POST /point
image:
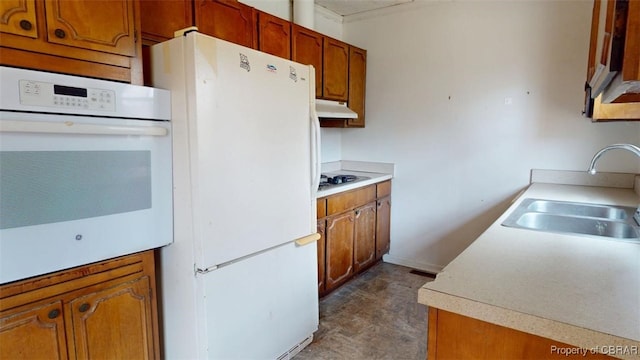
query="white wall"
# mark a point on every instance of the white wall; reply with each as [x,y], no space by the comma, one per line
[438,74]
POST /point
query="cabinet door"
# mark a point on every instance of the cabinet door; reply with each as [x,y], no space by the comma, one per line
[357,81]
[114,323]
[335,76]
[227,20]
[364,239]
[321,256]
[159,19]
[383,226]
[33,333]
[274,35]
[306,48]
[339,249]
[101,25]
[18,17]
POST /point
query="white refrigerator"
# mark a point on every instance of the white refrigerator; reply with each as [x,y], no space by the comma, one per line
[240,279]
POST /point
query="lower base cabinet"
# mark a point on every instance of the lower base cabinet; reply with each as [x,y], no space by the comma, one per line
[454,336]
[364,237]
[105,310]
[354,229]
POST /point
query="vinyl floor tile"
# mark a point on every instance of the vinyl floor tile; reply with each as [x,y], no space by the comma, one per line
[374,316]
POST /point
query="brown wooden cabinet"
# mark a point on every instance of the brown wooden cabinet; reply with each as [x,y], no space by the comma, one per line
[364,237]
[335,75]
[103,310]
[321,246]
[383,226]
[354,228]
[339,249]
[87,38]
[161,18]
[613,72]
[357,82]
[228,20]
[454,336]
[274,35]
[306,48]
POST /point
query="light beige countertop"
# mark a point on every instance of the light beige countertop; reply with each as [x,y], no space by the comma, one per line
[376,172]
[579,290]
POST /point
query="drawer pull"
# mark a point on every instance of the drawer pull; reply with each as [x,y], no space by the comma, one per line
[84,307]
[60,33]
[26,25]
[53,314]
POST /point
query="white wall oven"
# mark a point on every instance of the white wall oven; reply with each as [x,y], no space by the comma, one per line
[85,171]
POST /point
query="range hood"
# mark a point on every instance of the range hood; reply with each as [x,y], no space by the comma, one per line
[334,110]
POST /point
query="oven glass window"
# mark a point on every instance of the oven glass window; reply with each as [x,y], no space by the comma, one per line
[41,187]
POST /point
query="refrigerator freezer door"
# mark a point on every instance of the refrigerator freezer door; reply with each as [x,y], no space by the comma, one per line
[251,149]
[263,306]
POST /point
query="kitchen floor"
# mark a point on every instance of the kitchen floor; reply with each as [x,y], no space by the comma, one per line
[374,316]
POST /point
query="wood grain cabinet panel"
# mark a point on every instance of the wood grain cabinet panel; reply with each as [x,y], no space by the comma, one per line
[321,246]
[227,20]
[18,17]
[34,332]
[350,199]
[72,23]
[86,38]
[454,336]
[114,323]
[335,75]
[105,310]
[339,250]
[383,226]
[357,82]
[274,35]
[161,18]
[364,238]
[306,48]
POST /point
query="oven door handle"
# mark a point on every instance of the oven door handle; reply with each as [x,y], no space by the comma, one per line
[70,127]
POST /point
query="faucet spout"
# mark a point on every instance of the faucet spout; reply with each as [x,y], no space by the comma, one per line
[634,149]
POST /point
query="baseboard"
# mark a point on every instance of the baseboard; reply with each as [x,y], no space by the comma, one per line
[411,263]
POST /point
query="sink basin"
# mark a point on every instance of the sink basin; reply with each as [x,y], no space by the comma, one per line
[577,209]
[608,221]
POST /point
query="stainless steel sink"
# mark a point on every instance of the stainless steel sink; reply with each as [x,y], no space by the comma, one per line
[577,209]
[614,222]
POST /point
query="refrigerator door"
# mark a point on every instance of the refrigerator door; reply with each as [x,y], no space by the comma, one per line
[262,307]
[250,145]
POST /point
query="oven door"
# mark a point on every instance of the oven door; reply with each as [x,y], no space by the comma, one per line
[75,190]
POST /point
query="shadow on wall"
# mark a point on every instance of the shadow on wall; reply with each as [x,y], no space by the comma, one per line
[465,234]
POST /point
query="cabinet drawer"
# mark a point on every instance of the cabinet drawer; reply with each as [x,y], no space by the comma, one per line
[321,208]
[351,199]
[383,189]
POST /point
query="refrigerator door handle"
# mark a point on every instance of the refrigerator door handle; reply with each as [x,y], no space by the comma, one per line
[305,240]
[315,150]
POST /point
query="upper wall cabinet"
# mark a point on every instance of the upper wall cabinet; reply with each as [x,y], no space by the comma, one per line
[87,38]
[335,75]
[228,20]
[613,74]
[161,18]
[306,48]
[357,82]
[274,35]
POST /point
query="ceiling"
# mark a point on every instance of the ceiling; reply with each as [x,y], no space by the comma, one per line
[351,7]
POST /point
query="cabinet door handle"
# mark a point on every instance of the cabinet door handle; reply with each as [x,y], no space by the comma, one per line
[53,314]
[84,307]
[60,33]
[26,25]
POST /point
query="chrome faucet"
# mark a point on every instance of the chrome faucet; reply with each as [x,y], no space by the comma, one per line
[592,167]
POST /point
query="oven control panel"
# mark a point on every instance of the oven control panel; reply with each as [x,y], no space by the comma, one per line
[59,96]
